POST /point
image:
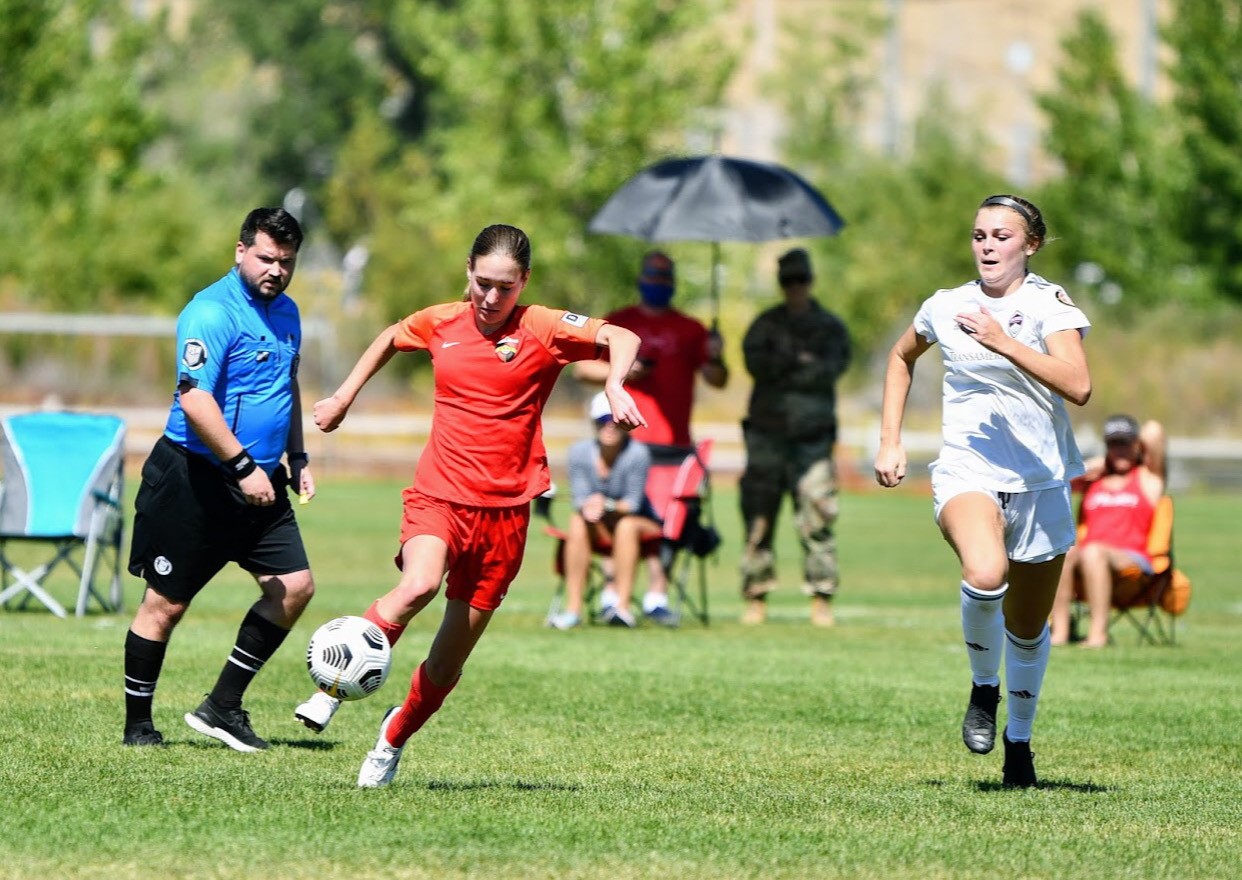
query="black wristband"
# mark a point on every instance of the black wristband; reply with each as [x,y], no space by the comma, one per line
[298,456]
[241,465]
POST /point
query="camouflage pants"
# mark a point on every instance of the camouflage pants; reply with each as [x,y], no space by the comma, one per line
[803,469]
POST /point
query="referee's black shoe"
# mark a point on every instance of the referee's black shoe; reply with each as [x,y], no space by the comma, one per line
[142,734]
[979,725]
[230,726]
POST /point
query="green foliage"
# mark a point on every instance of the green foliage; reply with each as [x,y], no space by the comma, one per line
[1116,204]
[535,113]
[325,63]
[908,219]
[1206,37]
[73,127]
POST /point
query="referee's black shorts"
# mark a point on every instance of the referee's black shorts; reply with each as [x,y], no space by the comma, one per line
[190,519]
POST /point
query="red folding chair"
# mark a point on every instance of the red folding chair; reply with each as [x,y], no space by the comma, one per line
[680,492]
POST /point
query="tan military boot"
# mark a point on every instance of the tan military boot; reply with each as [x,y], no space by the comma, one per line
[821,611]
[756,612]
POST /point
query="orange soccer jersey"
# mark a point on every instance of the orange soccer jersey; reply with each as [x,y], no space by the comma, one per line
[486,444]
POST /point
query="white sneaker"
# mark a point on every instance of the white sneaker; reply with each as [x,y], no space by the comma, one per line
[565,620]
[316,712]
[380,765]
[607,599]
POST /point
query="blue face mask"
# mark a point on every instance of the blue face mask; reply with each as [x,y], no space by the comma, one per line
[658,296]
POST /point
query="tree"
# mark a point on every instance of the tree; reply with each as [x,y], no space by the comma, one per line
[1207,38]
[1122,178]
[535,111]
[73,131]
[907,218]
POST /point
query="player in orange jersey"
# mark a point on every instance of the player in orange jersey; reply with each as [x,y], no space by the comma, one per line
[467,512]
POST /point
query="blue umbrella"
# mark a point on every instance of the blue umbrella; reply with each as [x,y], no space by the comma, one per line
[716,198]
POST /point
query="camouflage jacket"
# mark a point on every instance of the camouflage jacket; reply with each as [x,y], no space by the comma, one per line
[795,361]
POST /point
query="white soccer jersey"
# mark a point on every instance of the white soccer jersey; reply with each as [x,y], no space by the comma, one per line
[1003,430]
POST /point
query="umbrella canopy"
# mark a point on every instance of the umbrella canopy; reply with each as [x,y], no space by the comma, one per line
[716,198]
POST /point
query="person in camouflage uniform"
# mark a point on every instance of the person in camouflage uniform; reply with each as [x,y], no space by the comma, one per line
[795,353]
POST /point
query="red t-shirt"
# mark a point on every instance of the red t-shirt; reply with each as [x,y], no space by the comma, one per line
[676,344]
[486,443]
[1118,517]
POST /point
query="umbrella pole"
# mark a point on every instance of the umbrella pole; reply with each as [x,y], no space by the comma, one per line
[715,289]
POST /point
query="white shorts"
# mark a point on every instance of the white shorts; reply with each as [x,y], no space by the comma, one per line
[1039,525]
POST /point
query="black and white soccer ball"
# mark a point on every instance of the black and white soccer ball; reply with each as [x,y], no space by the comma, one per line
[348,658]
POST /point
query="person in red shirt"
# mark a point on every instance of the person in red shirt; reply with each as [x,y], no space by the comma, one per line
[1120,492]
[467,512]
[675,348]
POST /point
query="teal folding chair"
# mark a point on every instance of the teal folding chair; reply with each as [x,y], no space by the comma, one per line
[61,489]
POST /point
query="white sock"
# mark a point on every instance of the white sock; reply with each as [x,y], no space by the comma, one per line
[652,601]
[1026,661]
[983,629]
[607,598]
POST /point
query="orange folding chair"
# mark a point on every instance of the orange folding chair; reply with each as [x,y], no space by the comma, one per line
[1152,602]
[680,493]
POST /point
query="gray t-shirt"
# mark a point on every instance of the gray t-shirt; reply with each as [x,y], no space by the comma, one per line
[626,482]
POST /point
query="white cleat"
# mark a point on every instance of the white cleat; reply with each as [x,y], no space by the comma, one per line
[380,765]
[316,712]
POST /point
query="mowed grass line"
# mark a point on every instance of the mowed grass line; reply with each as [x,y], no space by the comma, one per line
[782,751]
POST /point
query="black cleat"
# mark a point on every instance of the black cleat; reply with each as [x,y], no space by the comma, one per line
[230,726]
[979,725]
[142,734]
[1019,769]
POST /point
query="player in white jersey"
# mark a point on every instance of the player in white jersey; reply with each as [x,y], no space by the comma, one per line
[1012,345]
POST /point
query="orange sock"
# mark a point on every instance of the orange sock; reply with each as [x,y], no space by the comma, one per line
[424,698]
[392,631]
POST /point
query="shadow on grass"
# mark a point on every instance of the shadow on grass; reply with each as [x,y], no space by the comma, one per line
[516,785]
[311,745]
[1049,785]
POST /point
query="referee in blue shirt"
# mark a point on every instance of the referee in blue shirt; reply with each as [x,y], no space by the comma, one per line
[215,487]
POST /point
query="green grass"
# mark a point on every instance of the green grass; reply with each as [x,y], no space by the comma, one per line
[781,752]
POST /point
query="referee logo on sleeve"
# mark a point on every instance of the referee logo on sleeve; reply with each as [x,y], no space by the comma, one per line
[194,355]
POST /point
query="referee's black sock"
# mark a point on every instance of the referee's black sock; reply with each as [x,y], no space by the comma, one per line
[143,661]
[257,640]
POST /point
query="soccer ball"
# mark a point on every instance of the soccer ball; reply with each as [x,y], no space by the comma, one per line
[348,658]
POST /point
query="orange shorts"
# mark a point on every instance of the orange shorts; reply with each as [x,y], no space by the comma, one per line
[485,544]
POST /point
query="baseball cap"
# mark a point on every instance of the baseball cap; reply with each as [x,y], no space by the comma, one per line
[659,267]
[794,264]
[1120,427]
[600,409]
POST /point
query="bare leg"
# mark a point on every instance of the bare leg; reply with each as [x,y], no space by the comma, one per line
[423,560]
[1061,605]
[626,544]
[577,564]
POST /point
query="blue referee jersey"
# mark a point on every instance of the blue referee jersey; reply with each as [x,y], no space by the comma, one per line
[244,352]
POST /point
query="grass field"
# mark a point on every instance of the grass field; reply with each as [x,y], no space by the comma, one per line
[718,752]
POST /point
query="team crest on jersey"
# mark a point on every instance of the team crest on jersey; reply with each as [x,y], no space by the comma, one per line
[194,355]
[576,320]
[1015,324]
[1064,298]
[507,348]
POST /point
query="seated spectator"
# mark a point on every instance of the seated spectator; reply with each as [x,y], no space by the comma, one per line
[607,480]
[1120,493]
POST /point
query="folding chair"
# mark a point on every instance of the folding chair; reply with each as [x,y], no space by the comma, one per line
[680,491]
[1155,600]
[61,487]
